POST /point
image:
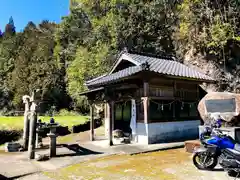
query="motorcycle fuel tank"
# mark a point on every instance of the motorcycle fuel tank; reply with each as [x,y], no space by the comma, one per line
[222,143]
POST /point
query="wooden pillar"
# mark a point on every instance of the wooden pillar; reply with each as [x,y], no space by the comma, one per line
[106,119]
[145,89]
[110,125]
[91,122]
[146,109]
[198,95]
[174,95]
[146,101]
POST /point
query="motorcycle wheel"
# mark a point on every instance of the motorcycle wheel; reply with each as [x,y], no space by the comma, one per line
[209,165]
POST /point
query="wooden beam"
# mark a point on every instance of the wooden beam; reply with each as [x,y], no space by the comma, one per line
[91,122]
[110,125]
[124,86]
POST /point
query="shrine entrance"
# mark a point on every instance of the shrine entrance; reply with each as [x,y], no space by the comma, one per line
[123,116]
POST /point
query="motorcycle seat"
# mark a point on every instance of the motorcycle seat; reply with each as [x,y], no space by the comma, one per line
[237,147]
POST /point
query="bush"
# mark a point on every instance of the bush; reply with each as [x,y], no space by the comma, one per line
[64,112]
[86,126]
[9,135]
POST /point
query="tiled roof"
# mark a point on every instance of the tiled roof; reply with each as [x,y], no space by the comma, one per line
[158,65]
[117,75]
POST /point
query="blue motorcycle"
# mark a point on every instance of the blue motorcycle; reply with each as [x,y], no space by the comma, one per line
[218,148]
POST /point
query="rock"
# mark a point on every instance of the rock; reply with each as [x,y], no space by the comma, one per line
[40,145]
[21,149]
[41,157]
[12,147]
[227,116]
[118,133]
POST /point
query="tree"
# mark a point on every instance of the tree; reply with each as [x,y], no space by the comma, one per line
[10,27]
[36,67]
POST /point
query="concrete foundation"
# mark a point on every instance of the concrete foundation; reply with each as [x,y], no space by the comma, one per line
[167,131]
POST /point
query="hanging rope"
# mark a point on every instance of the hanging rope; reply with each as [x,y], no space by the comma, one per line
[162,105]
[129,100]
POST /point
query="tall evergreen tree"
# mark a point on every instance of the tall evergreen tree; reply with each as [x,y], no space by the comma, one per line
[10,27]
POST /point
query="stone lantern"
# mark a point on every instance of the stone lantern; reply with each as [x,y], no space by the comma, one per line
[53,137]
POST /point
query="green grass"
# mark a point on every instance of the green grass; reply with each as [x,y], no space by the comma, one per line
[16,123]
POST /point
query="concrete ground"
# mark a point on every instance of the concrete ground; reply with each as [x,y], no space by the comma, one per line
[16,164]
[81,159]
[164,165]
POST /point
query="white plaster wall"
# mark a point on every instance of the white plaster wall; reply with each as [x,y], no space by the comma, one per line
[171,131]
[106,125]
[142,133]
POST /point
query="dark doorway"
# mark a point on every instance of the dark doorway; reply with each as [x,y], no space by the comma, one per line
[123,116]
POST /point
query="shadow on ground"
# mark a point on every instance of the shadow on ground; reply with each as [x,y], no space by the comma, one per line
[218,169]
[77,150]
[15,177]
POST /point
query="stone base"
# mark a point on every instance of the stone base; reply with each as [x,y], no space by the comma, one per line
[12,147]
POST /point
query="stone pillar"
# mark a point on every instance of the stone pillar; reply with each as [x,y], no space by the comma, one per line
[111,120]
[91,122]
[53,142]
[32,135]
[38,133]
[26,100]
[37,139]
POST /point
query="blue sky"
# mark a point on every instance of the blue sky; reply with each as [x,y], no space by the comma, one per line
[24,11]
